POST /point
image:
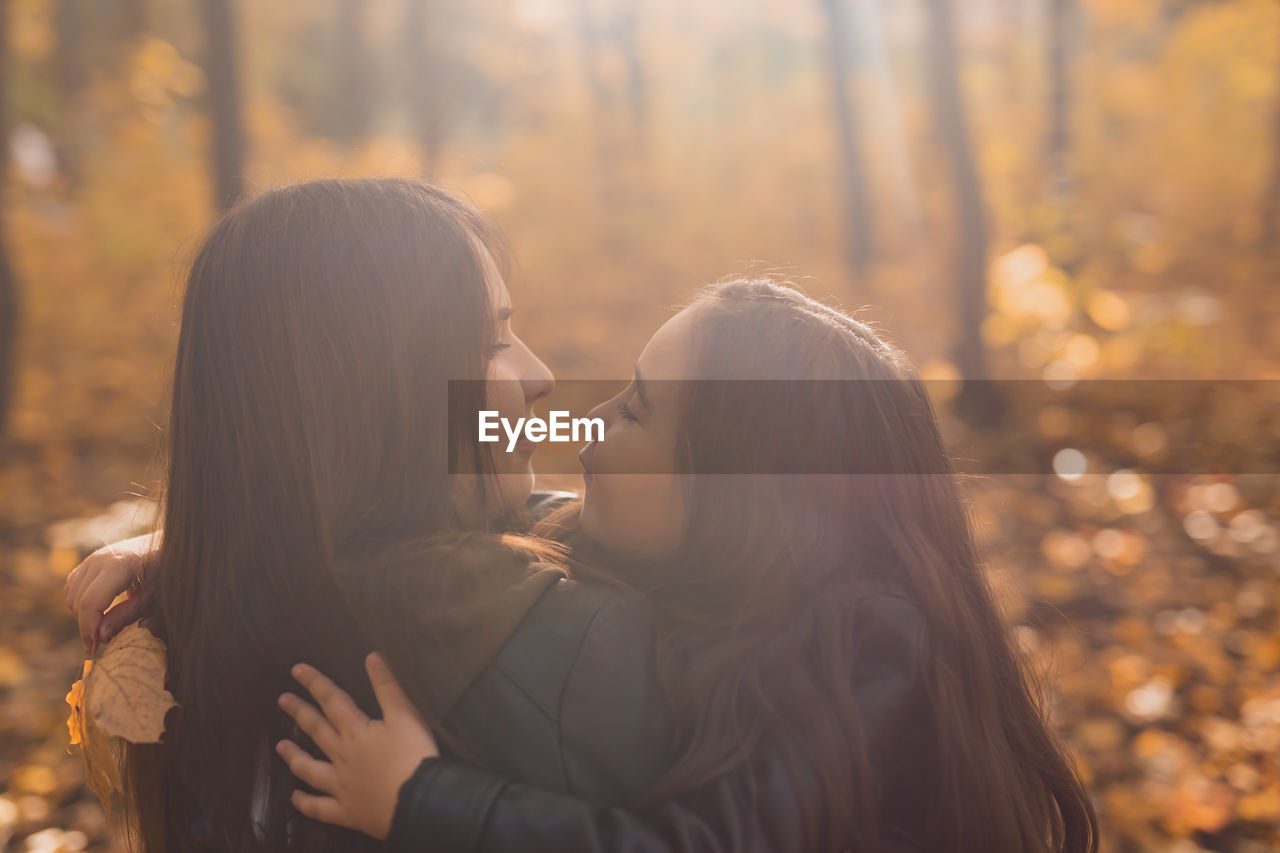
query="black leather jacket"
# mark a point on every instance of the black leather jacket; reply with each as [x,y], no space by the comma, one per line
[571,703]
[568,755]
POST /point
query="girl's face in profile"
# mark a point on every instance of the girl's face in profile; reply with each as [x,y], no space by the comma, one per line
[515,379]
[642,515]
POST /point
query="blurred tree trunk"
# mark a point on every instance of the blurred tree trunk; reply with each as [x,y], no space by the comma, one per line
[859,239]
[70,75]
[353,94]
[421,86]
[867,22]
[589,38]
[69,70]
[1270,212]
[8,282]
[1262,321]
[221,68]
[976,402]
[637,85]
[1059,142]
[619,102]
[133,17]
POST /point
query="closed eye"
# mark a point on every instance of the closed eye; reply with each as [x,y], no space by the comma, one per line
[625,413]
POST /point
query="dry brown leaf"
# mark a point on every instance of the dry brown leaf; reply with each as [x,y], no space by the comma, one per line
[102,756]
[124,692]
[120,697]
[98,750]
[75,698]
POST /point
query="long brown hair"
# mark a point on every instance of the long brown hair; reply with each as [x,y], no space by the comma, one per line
[307,510]
[756,644]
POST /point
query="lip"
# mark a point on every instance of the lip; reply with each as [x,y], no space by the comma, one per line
[524,445]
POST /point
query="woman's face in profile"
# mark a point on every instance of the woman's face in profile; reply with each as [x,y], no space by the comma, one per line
[515,379]
[635,501]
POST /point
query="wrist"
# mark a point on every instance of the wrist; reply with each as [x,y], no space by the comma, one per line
[446,801]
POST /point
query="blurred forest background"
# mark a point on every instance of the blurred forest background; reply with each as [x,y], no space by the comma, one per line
[1058,189]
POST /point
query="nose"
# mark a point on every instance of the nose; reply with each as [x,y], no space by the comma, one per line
[538,380]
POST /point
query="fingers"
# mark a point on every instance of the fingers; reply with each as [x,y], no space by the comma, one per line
[72,582]
[114,578]
[316,773]
[325,809]
[391,698]
[97,588]
[87,620]
[83,573]
[310,721]
[124,613]
[334,701]
[71,592]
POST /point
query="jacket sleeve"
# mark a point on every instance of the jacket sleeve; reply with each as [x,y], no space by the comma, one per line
[451,807]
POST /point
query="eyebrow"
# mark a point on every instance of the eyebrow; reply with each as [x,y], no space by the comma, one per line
[644,398]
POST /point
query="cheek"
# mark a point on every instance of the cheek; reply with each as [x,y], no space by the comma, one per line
[635,503]
[640,515]
[506,395]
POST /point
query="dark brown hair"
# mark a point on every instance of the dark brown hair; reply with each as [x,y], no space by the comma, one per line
[307,511]
[755,639]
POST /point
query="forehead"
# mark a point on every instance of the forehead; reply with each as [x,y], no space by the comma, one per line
[669,353]
[498,293]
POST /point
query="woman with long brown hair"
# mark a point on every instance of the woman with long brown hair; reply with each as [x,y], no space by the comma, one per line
[839,674]
[320,503]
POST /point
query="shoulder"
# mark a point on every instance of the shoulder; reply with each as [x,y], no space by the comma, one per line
[572,624]
[572,701]
[614,720]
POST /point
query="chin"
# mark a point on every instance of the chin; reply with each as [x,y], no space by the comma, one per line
[515,488]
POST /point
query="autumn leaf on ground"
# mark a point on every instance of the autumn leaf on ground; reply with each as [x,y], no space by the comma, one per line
[120,697]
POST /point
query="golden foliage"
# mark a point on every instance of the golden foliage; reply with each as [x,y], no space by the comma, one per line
[119,697]
[124,691]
